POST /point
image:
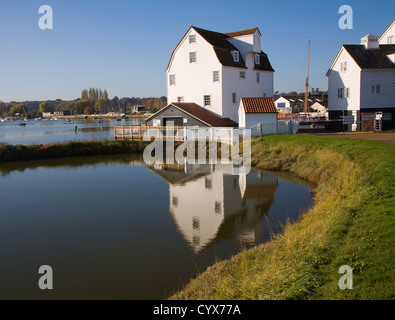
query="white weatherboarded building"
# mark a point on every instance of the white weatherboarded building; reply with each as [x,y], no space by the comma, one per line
[361,80]
[257,111]
[215,70]
[283,105]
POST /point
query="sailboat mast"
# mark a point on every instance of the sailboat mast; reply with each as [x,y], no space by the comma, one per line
[306,101]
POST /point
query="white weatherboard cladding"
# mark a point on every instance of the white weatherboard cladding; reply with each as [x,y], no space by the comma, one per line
[390,33]
[195,80]
[386,80]
[253,119]
[344,79]
[199,217]
[244,88]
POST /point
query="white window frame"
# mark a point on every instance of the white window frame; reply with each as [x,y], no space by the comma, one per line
[257,59]
[390,40]
[340,93]
[172,79]
[216,76]
[207,100]
[236,56]
[242,73]
[192,38]
[192,57]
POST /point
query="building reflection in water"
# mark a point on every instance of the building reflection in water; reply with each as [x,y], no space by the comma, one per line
[209,204]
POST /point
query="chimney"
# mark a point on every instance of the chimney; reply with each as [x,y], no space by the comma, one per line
[371,42]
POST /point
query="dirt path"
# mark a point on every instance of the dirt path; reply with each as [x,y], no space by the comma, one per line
[375,136]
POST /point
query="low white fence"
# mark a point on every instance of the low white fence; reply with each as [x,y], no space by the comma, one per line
[225,135]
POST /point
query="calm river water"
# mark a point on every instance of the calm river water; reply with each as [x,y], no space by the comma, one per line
[112,228]
[54,131]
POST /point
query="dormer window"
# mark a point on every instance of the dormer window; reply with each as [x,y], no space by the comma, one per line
[257,59]
[192,38]
[236,56]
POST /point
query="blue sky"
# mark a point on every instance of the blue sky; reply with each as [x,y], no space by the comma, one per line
[124,45]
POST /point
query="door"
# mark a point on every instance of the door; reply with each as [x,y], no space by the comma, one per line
[177,122]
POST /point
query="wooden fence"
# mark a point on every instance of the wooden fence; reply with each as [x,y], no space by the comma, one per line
[148,133]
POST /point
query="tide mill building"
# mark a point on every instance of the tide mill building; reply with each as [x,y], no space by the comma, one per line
[214,71]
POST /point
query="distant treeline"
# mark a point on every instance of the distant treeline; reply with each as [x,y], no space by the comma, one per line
[92,101]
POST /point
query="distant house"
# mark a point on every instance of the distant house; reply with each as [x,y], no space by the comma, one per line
[255,111]
[137,109]
[47,114]
[186,115]
[283,105]
[215,70]
[320,107]
[58,113]
[361,80]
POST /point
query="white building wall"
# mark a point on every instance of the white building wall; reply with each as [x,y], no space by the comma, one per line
[388,37]
[351,78]
[200,216]
[194,80]
[386,97]
[247,88]
[253,119]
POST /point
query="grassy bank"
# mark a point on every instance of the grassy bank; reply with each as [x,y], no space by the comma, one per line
[69,149]
[352,223]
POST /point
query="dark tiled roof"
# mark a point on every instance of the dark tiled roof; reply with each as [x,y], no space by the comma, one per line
[264,63]
[222,47]
[242,32]
[259,105]
[204,115]
[372,59]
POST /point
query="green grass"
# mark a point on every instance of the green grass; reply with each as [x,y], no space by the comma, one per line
[352,223]
[69,149]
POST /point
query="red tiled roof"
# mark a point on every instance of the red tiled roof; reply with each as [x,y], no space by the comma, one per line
[204,115]
[259,105]
[254,192]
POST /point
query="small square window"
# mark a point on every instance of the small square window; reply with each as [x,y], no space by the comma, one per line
[207,101]
[172,79]
[208,183]
[180,99]
[192,38]
[234,97]
[215,76]
[257,59]
[378,89]
[218,207]
[236,56]
[196,223]
[242,75]
[192,57]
